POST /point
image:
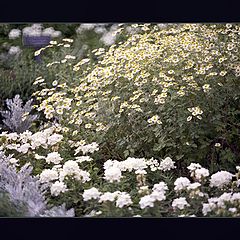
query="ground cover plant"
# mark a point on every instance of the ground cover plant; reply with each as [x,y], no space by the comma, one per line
[143,124]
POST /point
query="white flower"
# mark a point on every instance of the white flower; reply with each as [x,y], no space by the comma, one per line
[14,50]
[233,210]
[38,157]
[206,87]
[107,196]
[71,168]
[180,203]
[83,159]
[85,26]
[91,193]
[220,179]
[12,136]
[13,161]
[48,175]
[87,148]
[109,163]
[141,172]
[236,196]
[48,31]
[181,183]
[133,163]
[84,176]
[194,166]
[123,199]
[100,30]
[113,174]
[146,201]
[225,197]
[108,38]
[193,186]
[53,139]
[24,148]
[160,187]
[201,173]
[208,207]
[167,164]
[57,188]
[56,34]
[53,157]
[14,33]
[38,139]
[25,136]
[158,196]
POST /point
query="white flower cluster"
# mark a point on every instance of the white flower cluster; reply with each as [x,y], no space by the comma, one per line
[53,157]
[14,33]
[57,188]
[181,183]
[27,140]
[83,159]
[109,37]
[71,168]
[91,193]
[225,202]
[48,175]
[220,179]
[197,171]
[108,196]
[180,203]
[88,148]
[85,27]
[37,30]
[112,174]
[122,198]
[59,173]
[114,168]
[164,165]
[158,194]
[14,50]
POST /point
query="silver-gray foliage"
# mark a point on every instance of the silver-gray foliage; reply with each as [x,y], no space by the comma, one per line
[26,190]
[18,118]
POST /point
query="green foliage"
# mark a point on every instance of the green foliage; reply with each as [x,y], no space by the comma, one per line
[8,208]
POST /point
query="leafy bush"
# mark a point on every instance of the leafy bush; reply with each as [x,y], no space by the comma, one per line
[18,69]
[160,93]
[17,118]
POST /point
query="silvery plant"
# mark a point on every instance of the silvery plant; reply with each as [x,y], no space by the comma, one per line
[25,193]
[18,118]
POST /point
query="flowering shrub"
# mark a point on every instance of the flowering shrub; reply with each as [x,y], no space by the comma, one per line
[161,92]
[146,125]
